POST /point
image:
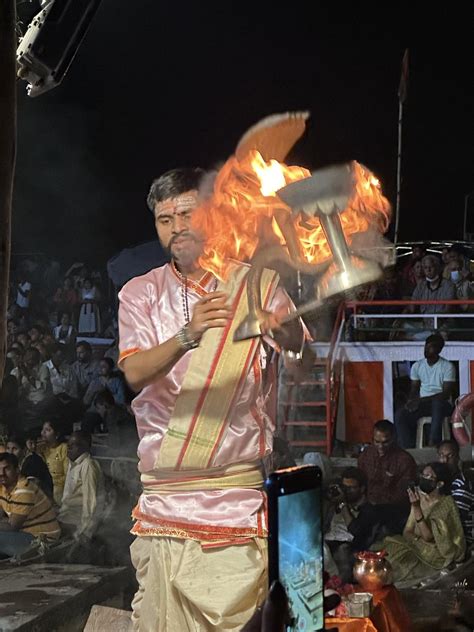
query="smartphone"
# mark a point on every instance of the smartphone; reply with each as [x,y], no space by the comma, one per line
[295,543]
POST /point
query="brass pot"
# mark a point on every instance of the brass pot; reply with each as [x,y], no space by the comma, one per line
[372,570]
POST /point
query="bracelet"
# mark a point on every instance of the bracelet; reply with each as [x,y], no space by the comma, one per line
[419,519]
[184,340]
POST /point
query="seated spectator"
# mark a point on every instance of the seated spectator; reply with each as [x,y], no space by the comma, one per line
[462,487]
[417,253]
[456,260]
[106,379]
[415,276]
[28,511]
[354,521]
[30,463]
[85,368]
[24,340]
[8,393]
[35,333]
[65,334]
[89,314]
[80,504]
[117,421]
[464,287]
[62,376]
[432,382]
[433,537]
[388,469]
[54,452]
[433,288]
[34,386]
[11,332]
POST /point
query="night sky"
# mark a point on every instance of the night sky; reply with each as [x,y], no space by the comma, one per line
[156,85]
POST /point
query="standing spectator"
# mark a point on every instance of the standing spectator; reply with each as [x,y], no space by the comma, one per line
[432,381]
[66,298]
[29,512]
[106,379]
[85,367]
[462,487]
[54,452]
[89,316]
[30,463]
[388,469]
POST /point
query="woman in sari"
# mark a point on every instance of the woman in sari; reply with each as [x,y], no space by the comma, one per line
[433,537]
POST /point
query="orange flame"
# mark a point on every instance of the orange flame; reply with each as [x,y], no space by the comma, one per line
[238,217]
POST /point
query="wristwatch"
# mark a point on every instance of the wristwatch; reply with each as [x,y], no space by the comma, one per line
[185,340]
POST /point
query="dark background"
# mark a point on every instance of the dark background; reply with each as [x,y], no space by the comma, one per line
[156,85]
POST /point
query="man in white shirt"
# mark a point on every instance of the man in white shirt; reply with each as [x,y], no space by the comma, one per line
[23,290]
[63,379]
[79,513]
[432,381]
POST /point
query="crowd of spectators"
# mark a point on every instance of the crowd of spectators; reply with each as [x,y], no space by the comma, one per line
[60,386]
[422,518]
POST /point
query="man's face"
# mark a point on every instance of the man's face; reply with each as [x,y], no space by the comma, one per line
[83,355]
[31,359]
[352,489]
[430,268]
[14,448]
[449,455]
[417,252]
[8,474]
[23,339]
[75,448]
[104,369]
[34,334]
[57,357]
[431,351]
[173,226]
[383,441]
[31,444]
[65,320]
[453,257]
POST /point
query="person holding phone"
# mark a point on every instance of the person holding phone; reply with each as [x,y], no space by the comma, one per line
[433,537]
[354,521]
[200,408]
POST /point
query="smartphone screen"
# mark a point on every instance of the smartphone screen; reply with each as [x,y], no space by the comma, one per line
[299,551]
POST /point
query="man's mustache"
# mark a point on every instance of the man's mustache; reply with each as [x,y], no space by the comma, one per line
[186,234]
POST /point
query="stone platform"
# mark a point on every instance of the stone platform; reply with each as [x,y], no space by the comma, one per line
[57,597]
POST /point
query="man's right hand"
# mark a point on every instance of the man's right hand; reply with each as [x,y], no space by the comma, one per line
[211,311]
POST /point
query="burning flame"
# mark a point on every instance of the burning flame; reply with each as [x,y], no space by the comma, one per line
[238,217]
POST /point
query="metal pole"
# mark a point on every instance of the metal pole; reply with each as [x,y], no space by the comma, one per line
[399,169]
[7,155]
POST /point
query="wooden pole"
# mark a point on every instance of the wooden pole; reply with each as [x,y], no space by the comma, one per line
[7,155]
[399,170]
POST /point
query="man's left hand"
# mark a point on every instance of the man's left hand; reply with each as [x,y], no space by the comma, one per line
[288,335]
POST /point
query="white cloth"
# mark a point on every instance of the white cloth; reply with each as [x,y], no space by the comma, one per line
[63,380]
[432,377]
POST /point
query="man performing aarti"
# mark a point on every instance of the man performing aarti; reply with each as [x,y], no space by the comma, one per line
[200,550]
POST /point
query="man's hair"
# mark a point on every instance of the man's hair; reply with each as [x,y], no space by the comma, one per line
[451,443]
[385,426]
[443,473]
[357,474]
[435,339]
[9,458]
[104,397]
[173,183]
[436,260]
[83,437]
[85,345]
[19,439]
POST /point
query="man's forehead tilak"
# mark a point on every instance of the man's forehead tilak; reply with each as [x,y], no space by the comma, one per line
[173,206]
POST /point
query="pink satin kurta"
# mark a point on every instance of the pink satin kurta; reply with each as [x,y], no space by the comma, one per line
[152,311]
